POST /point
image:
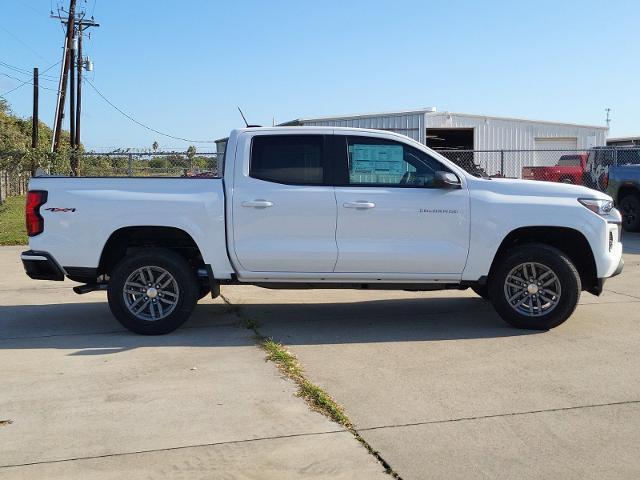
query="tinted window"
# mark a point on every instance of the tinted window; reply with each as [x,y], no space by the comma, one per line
[569,161]
[628,156]
[387,163]
[295,159]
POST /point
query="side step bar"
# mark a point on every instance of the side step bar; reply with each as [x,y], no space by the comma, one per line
[89,287]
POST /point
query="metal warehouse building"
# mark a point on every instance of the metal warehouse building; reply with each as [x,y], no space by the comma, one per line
[482,144]
[462,131]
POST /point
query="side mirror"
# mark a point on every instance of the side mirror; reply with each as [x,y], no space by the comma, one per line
[446,180]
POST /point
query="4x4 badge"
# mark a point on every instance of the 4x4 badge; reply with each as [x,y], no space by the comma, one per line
[60,210]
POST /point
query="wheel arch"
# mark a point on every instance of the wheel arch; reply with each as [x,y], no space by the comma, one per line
[566,176]
[568,240]
[626,190]
[125,239]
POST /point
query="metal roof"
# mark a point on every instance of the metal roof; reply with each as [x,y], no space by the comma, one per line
[622,139]
[431,112]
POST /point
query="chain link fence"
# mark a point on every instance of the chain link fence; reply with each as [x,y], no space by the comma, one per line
[581,167]
[148,164]
[16,167]
[13,183]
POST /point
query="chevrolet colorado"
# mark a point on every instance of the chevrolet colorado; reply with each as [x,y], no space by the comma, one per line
[323,207]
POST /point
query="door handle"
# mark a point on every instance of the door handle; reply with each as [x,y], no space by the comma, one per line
[257,204]
[359,205]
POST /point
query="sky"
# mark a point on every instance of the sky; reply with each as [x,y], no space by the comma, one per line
[182,67]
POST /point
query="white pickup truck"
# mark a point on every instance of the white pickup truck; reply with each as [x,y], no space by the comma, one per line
[306,207]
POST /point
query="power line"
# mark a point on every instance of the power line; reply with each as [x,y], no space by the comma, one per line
[21,70]
[28,81]
[22,42]
[142,124]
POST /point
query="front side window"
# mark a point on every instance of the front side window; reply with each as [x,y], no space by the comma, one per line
[381,162]
[289,159]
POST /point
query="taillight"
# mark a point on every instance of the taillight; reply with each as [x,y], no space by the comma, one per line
[35,222]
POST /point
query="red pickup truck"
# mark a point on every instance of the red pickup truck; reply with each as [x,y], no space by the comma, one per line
[569,169]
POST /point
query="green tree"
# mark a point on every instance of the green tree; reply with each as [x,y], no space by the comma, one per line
[15,144]
[191,153]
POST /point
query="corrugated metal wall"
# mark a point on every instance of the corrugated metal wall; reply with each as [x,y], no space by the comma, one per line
[410,124]
[497,134]
[489,133]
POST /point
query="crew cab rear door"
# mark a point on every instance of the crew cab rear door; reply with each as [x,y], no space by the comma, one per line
[284,208]
[392,219]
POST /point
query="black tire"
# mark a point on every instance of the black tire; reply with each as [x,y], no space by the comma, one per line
[481,291]
[566,180]
[630,210]
[566,275]
[164,260]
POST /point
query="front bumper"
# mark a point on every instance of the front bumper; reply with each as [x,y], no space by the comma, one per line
[41,266]
[599,287]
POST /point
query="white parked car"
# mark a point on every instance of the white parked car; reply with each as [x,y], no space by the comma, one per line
[306,207]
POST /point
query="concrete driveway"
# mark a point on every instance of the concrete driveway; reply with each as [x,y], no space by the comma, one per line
[435,382]
[88,400]
[444,389]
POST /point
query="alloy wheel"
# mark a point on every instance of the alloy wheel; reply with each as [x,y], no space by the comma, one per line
[532,289]
[151,293]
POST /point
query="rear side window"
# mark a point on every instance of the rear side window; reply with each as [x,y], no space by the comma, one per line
[569,161]
[289,159]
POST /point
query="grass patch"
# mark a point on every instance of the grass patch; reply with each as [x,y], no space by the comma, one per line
[316,397]
[12,227]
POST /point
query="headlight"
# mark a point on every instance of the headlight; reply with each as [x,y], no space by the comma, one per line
[601,207]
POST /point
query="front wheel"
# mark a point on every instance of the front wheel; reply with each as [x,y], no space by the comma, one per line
[630,209]
[152,292]
[535,286]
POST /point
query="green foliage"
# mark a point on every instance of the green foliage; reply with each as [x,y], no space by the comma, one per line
[12,224]
[17,156]
[15,144]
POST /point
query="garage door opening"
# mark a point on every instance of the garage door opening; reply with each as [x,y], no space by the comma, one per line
[450,138]
[548,150]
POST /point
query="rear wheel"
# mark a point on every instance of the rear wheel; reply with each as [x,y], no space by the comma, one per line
[630,210]
[535,286]
[152,292]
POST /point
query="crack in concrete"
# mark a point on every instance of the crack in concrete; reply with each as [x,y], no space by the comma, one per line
[499,415]
[168,449]
[253,325]
[624,294]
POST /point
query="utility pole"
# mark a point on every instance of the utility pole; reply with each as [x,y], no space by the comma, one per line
[608,110]
[34,116]
[72,94]
[80,62]
[35,123]
[72,66]
[63,83]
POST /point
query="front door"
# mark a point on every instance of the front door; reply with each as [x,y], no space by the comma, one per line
[392,218]
[284,210]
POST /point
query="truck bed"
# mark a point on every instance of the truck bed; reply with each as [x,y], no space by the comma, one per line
[80,214]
